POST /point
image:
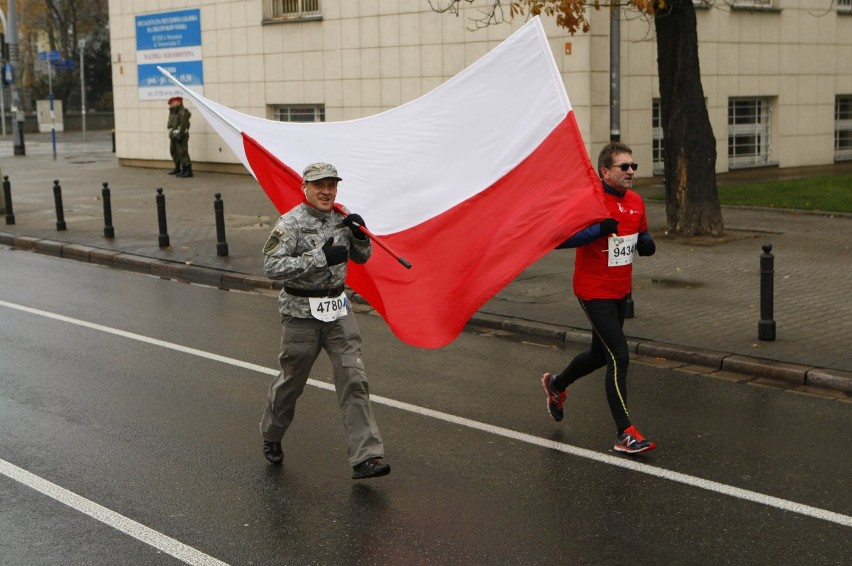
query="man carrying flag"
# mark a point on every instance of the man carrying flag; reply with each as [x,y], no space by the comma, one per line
[308,249]
[536,160]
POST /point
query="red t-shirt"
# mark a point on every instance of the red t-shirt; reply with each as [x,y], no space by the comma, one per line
[593,278]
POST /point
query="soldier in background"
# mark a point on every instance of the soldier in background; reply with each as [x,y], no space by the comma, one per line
[178,127]
[308,250]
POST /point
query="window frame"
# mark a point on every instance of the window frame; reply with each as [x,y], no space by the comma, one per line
[753,5]
[760,129]
[279,110]
[658,159]
[843,127]
[275,11]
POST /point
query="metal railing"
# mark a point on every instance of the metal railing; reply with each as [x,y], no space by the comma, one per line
[752,3]
[294,9]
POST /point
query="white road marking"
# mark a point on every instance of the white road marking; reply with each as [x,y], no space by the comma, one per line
[115,520]
[717,487]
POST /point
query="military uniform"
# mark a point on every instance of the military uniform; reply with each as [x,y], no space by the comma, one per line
[293,255]
[178,127]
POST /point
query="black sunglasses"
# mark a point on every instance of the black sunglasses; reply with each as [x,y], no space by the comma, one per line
[625,166]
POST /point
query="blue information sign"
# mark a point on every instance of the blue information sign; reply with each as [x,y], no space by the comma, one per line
[171,40]
[49,55]
[168,30]
[64,64]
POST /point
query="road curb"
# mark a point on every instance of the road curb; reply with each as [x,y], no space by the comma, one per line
[792,373]
[564,337]
[830,379]
[716,361]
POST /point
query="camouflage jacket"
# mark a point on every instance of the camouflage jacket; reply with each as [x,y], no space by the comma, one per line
[293,254]
[178,122]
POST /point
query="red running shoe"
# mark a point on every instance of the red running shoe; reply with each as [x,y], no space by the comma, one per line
[555,400]
[631,441]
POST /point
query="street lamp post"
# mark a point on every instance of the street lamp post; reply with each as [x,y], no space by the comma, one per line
[3,71]
[52,112]
[82,44]
[615,100]
[17,107]
[615,73]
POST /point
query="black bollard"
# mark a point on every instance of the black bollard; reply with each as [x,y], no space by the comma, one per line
[766,324]
[57,197]
[219,209]
[7,197]
[161,217]
[628,305]
[113,140]
[109,231]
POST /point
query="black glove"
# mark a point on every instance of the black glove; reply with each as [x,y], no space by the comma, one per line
[350,222]
[609,226]
[334,254]
[646,246]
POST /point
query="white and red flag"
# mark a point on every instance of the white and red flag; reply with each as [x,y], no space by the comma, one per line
[471,183]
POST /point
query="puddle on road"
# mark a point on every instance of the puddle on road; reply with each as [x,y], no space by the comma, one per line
[676,283]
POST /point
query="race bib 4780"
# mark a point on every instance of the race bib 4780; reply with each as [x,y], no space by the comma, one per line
[329,309]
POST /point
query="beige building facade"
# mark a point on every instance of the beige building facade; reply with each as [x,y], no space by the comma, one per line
[777,74]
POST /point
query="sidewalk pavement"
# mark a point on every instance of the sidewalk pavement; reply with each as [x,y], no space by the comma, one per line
[696,302]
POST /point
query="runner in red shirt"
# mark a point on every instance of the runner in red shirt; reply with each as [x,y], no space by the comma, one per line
[603,272]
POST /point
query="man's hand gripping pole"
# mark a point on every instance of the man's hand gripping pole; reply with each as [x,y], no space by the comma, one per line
[370,235]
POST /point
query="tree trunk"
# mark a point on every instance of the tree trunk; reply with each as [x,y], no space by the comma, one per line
[692,201]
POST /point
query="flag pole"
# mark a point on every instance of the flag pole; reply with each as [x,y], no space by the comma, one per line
[363,229]
[196,100]
[236,130]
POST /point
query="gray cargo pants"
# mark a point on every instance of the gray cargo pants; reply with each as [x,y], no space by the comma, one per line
[301,341]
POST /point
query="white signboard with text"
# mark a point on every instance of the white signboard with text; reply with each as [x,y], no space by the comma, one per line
[171,40]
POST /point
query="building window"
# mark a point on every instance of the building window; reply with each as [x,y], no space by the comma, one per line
[748,131]
[657,157]
[300,113]
[752,4]
[844,6]
[292,9]
[843,128]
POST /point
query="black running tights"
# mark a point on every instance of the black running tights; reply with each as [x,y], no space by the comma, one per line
[609,348]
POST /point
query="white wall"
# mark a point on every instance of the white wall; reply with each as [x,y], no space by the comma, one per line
[366,56]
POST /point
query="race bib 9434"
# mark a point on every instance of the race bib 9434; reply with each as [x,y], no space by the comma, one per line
[621,249]
[329,309]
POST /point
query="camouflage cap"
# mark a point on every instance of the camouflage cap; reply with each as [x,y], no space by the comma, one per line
[317,171]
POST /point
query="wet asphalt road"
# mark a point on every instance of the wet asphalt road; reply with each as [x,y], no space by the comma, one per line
[169,439]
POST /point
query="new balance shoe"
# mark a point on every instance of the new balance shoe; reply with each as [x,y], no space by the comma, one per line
[272,451]
[370,468]
[555,400]
[631,441]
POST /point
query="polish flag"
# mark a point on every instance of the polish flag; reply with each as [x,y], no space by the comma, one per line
[471,183]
